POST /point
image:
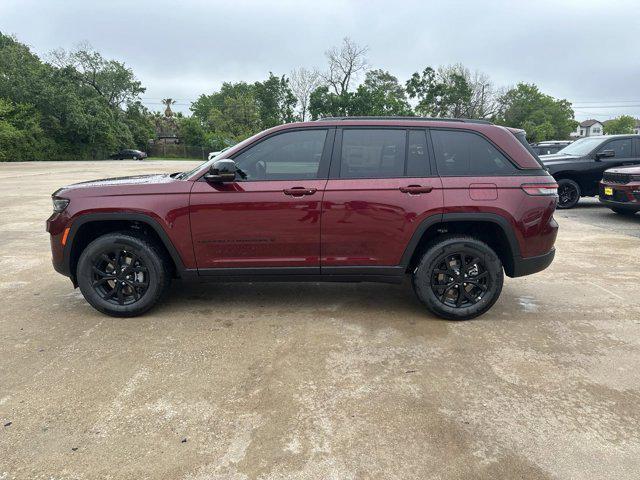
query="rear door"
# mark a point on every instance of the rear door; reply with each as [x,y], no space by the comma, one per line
[270,219]
[381,187]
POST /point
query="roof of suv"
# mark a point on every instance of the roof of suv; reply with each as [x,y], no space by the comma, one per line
[404,118]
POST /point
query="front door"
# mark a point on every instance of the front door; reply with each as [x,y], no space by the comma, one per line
[381,187]
[270,219]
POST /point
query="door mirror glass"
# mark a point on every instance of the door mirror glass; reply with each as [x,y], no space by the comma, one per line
[606,154]
[222,171]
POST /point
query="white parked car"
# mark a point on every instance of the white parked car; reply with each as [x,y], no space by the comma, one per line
[215,154]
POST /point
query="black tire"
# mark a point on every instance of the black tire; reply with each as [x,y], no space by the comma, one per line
[568,193]
[145,279]
[482,267]
[623,211]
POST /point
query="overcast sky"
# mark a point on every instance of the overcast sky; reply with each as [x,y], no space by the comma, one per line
[585,51]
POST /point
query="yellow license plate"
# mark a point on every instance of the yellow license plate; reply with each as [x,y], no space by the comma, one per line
[608,191]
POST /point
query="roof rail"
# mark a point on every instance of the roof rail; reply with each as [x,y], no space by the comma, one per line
[418,119]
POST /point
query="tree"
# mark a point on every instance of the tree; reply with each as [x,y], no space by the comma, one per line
[442,93]
[482,103]
[542,116]
[21,137]
[191,131]
[275,101]
[323,103]
[380,94]
[620,125]
[345,63]
[303,83]
[111,79]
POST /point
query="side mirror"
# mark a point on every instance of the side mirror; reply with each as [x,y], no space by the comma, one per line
[605,154]
[222,171]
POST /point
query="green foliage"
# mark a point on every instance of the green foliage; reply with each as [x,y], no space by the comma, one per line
[275,101]
[323,103]
[69,117]
[542,116]
[20,133]
[620,125]
[445,93]
[380,94]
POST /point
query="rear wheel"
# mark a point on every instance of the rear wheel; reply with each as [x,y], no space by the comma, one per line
[122,275]
[568,193]
[458,278]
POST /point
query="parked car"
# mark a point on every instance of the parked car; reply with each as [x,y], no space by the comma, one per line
[549,147]
[620,190]
[127,153]
[578,167]
[453,204]
[216,153]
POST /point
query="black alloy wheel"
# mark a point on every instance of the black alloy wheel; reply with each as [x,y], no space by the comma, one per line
[123,274]
[120,277]
[460,280]
[568,193]
[458,277]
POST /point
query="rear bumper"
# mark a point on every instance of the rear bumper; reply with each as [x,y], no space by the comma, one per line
[527,266]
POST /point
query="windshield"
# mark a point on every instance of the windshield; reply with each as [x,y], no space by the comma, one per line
[581,147]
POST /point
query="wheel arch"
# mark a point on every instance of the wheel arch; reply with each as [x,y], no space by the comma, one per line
[90,226]
[491,228]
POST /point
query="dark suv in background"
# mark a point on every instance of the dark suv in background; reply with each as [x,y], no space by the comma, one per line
[549,147]
[451,203]
[578,168]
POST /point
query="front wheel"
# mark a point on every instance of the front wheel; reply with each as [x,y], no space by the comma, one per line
[458,278]
[568,193]
[122,275]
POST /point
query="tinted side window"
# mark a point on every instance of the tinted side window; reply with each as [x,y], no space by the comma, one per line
[287,156]
[622,147]
[464,153]
[372,153]
[417,159]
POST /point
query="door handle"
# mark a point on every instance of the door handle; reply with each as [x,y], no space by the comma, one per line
[415,189]
[299,191]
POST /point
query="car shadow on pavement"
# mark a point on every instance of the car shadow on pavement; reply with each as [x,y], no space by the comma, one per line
[328,299]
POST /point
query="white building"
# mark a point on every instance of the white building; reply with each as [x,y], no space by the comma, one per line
[589,128]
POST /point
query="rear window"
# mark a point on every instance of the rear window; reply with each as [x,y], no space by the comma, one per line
[522,138]
[466,153]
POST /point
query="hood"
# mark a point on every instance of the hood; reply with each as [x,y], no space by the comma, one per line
[625,170]
[118,184]
[558,158]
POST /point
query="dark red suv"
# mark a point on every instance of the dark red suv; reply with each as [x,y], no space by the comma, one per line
[452,203]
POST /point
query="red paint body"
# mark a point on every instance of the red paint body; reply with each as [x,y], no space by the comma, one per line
[338,222]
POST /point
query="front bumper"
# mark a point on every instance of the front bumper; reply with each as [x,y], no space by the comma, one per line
[527,266]
[624,197]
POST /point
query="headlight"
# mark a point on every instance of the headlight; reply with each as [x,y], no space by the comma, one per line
[59,204]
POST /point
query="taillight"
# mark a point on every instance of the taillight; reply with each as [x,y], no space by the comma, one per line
[540,188]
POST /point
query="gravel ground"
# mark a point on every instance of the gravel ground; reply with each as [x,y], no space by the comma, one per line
[317,381]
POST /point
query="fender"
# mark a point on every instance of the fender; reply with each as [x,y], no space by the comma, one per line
[127,216]
[428,222]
